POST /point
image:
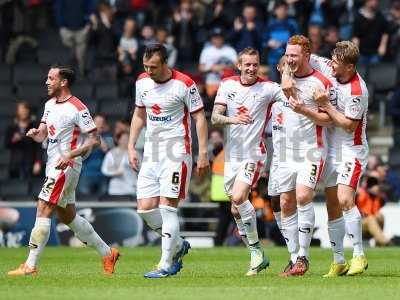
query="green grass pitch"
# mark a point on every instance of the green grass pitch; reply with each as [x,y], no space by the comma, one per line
[67,273]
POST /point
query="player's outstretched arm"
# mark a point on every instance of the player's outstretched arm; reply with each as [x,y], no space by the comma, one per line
[38,134]
[202,136]
[137,124]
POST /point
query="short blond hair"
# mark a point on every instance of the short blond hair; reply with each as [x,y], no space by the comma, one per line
[247,51]
[346,52]
[302,41]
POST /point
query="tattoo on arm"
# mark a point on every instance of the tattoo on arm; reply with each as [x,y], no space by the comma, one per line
[217,117]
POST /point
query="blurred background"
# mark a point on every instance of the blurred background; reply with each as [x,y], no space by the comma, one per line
[104,42]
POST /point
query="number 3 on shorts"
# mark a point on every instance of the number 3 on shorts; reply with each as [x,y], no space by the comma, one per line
[314,170]
[175,178]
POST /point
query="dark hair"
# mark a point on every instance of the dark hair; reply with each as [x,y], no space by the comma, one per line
[65,73]
[156,48]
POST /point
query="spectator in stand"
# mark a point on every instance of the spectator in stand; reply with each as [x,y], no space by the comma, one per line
[247,30]
[218,14]
[184,30]
[120,126]
[147,34]
[104,39]
[315,36]
[278,31]
[92,181]
[25,154]
[116,166]
[163,37]
[369,201]
[8,218]
[72,18]
[331,37]
[394,25]
[217,60]
[128,47]
[371,32]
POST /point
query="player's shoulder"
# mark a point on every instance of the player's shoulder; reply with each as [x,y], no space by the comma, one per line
[142,76]
[77,104]
[358,87]
[182,78]
[322,78]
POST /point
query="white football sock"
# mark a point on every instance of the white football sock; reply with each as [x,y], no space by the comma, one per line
[170,235]
[153,219]
[242,231]
[278,219]
[352,218]
[39,237]
[248,215]
[86,234]
[290,232]
[306,219]
[336,231]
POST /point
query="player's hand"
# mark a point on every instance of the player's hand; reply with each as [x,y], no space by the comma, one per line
[202,165]
[133,158]
[321,97]
[32,132]
[63,162]
[297,106]
[243,119]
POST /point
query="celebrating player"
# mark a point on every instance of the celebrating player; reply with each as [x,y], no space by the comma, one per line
[303,153]
[65,122]
[165,100]
[347,154]
[246,100]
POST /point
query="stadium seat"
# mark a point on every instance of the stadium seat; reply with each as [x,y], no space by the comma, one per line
[371,94]
[3,172]
[106,90]
[82,90]
[34,93]
[5,121]
[36,185]
[383,76]
[29,72]
[6,89]
[4,157]
[5,73]
[91,104]
[49,57]
[362,69]
[8,106]
[12,188]
[394,157]
[114,107]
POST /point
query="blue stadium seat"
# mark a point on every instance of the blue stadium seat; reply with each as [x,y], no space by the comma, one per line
[13,188]
[114,107]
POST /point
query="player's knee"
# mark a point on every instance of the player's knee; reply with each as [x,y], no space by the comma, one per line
[346,202]
[238,198]
[288,206]
[235,212]
[304,197]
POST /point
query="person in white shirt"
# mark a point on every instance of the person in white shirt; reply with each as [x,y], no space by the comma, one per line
[65,123]
[246,100]
[347,154]
[214,59]
[165,101]
[303,151]
[115,165]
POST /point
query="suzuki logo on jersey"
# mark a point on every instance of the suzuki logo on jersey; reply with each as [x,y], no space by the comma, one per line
[52,130]
[242,109]
[156,109]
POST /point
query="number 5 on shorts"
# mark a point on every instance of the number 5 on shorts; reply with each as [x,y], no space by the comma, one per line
[48,185]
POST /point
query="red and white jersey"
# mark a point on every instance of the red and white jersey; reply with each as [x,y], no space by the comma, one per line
[301,132]
[247,141]
[168,106]
[66,122]
[351,101]
[277,128]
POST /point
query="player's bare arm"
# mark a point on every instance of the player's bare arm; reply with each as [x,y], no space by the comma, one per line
[338,118]
[218,117]
[92,141]
[38,134]
[202,133]
[137,124]
[318,117]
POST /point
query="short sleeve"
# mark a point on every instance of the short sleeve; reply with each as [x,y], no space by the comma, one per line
[45,113]
[321,64]
[85,121]
[221,95]
[138,96]
[193,99]
[277,93]
[355,107]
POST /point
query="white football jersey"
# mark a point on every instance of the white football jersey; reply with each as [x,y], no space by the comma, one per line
[168,106]
[351,101]
[301,132]
[66,122]
[247,141]
[276,121]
